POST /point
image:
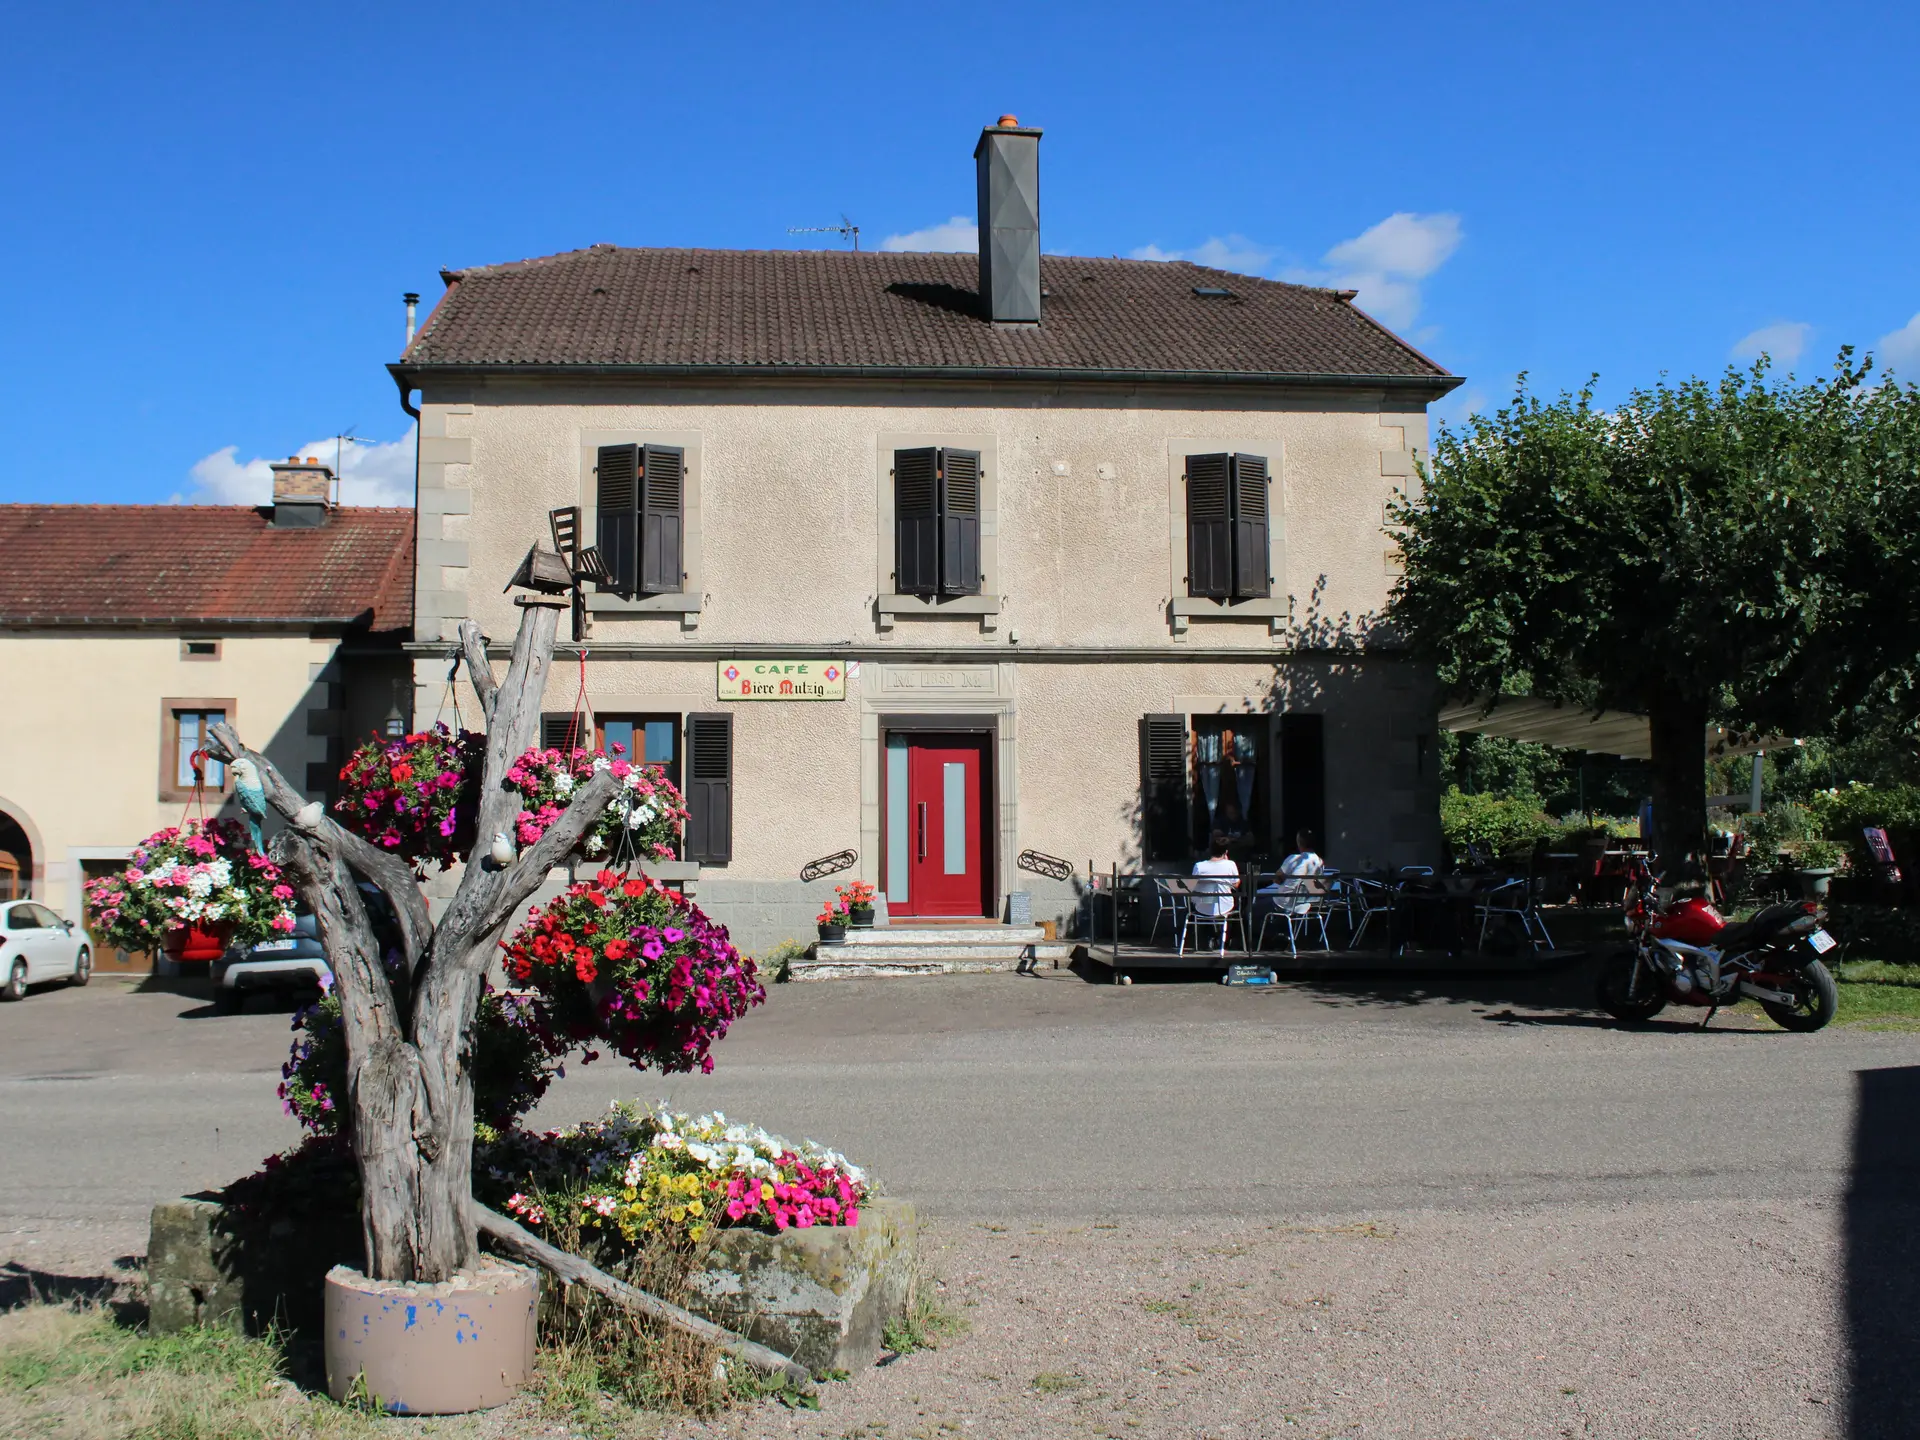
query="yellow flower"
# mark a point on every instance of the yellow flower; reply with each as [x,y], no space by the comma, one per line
[694,1207]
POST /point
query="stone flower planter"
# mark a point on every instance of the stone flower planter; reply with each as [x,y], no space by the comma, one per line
[822,1295]
[1814,883]
[445,1349]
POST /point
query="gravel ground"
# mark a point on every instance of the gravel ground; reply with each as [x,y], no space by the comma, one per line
[1579,1321]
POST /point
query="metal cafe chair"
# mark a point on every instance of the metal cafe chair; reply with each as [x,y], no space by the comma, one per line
[1512,899]
[1373,897]
[1172,899]
[1213,887]
[1301,905]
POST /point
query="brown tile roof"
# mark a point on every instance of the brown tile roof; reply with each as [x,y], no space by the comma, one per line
[821,310]
[192,565]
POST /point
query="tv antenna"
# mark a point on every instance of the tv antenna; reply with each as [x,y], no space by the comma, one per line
[846,230]
[340,442]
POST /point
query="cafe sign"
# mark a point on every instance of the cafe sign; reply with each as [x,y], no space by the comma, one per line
[781,679]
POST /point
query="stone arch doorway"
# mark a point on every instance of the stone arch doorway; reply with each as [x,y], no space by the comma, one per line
[20,860]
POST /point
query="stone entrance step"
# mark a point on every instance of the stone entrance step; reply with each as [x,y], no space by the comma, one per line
[930,950]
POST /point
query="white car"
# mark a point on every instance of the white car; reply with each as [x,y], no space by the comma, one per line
[37,945]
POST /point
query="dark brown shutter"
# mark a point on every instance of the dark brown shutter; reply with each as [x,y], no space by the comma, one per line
[916,522]
[616,507]
[1250,542]
[959,522]
[554,728]
[1209,525]
[709,771]
[1303,779]
[663,474]
[1164,807]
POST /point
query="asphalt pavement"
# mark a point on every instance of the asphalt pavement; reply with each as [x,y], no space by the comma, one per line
[1001,1095]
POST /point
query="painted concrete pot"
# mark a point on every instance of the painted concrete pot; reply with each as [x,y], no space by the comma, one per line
[465,1344]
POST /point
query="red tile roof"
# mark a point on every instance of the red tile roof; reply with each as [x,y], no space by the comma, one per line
[882,314]
[193,565]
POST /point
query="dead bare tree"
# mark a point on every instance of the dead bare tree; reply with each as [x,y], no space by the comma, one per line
[409,1071]
[409,1068]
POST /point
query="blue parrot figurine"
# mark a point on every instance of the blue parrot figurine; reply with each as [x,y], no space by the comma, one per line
[252,798]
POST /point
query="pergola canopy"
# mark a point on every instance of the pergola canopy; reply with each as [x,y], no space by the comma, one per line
[1610,732]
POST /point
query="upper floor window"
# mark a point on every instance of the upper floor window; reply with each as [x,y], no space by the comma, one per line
[1228,544]
[186,730]
[936,516]
[640,518]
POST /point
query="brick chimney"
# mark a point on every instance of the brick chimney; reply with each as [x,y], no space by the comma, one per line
[302,493]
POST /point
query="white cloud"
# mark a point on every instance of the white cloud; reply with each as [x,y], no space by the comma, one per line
[1784,341]
[1218,252]
[1901,350]
[958,234]
[371,473]
[1387,262]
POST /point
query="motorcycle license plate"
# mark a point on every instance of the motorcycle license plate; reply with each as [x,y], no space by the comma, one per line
[267,947]
[1821,942]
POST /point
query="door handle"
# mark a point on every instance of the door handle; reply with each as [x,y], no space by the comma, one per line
[922,822]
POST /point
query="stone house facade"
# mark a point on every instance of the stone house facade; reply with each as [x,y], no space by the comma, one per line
[127,630]
[1087,552]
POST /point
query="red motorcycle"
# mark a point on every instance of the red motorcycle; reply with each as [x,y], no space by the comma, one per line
[1687,953]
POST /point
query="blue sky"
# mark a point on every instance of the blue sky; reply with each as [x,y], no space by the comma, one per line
[211,211]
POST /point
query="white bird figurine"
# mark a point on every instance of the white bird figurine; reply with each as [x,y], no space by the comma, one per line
[308,816]
[252,797]
[502,851]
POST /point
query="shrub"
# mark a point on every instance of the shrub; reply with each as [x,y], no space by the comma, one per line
[1496,823]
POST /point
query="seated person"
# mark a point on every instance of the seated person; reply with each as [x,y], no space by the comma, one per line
[1213,900]
[1304,864]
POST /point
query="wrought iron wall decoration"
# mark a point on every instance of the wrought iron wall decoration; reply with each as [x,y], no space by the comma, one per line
[1051,866]
[829,865]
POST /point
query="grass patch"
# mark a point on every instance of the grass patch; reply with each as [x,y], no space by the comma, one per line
[1879,1006]
[1876,972]
[76,1374]
[1053,1382]
[927,1324]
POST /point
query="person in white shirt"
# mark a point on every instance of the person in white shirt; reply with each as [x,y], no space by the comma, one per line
[1213,898]
[1302,865]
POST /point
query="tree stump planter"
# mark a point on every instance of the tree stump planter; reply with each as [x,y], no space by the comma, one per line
[432,1349]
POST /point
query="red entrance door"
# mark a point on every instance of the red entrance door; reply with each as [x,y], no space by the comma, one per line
[937,826]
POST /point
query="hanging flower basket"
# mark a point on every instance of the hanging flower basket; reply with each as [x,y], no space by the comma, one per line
[623,959]
[191,892]
[645,820]
[416,796]
[198,944]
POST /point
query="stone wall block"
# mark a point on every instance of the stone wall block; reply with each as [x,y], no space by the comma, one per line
[186,1283]
[821,1295]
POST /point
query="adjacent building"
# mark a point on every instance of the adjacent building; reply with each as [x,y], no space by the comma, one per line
[940,559]
[127,630]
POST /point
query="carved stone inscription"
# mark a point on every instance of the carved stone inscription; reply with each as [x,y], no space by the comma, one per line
[940,679]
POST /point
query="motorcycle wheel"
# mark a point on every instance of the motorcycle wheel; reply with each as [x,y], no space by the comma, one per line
[1818,1000]
[1616,980]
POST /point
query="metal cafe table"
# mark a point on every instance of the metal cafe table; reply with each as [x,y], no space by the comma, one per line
[1429,920]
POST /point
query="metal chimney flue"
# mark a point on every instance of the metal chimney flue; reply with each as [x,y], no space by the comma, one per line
[1008,161]
[413,304]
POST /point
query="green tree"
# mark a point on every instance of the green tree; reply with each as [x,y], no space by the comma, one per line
[1740,551]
